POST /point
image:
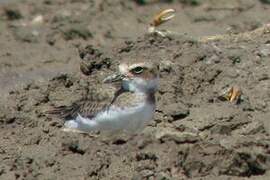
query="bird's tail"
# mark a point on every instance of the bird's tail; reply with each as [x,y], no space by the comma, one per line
[80,124]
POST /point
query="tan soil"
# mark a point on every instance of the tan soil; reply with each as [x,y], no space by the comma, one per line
[195,134]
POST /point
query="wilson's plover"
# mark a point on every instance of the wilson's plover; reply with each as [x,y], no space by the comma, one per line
[130,109]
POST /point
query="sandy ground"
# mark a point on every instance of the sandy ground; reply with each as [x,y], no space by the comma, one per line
[54,51]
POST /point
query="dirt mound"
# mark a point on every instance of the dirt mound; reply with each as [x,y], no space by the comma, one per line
[195,134]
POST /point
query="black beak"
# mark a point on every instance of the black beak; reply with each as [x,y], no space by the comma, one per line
[113,78]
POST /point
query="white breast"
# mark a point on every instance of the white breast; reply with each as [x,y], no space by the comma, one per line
[116,118]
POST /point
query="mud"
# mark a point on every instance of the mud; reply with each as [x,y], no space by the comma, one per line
[196,134]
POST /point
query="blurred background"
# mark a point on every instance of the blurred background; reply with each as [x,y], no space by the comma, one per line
[39,38]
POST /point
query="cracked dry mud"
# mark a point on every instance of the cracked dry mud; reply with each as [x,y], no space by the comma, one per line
[195,134]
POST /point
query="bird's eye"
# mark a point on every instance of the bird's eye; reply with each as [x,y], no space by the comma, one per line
[137,70]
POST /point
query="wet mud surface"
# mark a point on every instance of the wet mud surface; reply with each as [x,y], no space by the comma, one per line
[54,52]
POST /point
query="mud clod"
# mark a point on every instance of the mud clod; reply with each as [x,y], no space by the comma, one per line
[92,60]
[74,147]
[177,111]
[13,14]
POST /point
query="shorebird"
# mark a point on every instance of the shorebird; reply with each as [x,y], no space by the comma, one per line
[130,109]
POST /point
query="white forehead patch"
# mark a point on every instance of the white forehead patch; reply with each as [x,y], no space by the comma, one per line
[123,68]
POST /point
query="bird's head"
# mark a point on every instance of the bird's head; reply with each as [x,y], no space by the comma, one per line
[137,77]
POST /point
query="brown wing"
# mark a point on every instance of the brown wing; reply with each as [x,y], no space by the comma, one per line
[89,105]
[85,107]
[91,101]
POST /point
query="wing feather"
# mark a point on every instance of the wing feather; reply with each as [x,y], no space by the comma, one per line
[93,102]
[86,108]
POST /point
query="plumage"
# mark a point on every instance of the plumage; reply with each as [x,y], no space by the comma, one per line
[130,108]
